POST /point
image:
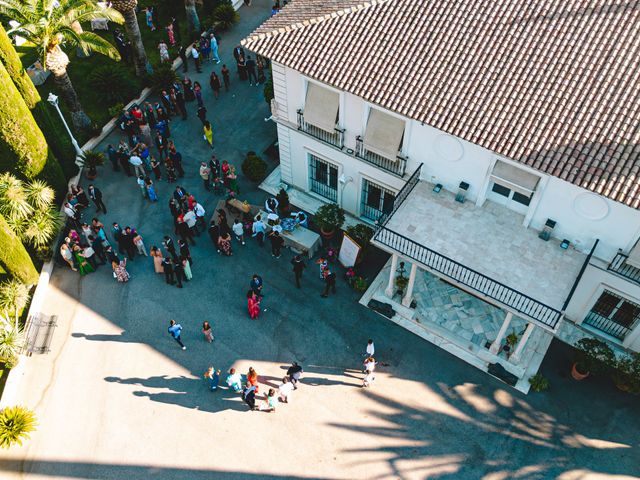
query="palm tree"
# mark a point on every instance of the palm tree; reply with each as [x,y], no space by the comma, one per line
[47,27]
[29,209]
[14,296]
[128,10]
[193,21]
[15,424]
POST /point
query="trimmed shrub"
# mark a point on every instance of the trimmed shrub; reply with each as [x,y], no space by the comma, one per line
[224,16]
[361,234]
[254,168]
[23,149]
[15,425]
[58,139]
[14,258]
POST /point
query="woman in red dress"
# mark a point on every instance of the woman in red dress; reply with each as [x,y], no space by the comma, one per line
[253,304]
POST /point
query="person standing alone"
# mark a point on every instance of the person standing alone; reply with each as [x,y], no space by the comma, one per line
[298,267]
[175,330]
[96,195]
[330,283]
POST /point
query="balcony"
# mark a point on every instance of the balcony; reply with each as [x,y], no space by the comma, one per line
[619,266]
[395,166]
[483,250]
[335,138]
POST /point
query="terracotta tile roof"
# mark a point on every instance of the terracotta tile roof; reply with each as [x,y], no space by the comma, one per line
[554,84]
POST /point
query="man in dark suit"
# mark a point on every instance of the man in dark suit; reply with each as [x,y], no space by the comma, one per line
[330,284]
[237,52]
[96,195]
[179,194]
[127,242]
[251,71]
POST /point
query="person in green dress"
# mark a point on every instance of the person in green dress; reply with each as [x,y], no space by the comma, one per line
[187,267]
[83,265]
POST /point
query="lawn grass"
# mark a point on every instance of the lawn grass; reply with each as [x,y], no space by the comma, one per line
[80,68]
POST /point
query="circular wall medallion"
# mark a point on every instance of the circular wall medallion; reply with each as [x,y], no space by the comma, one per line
[449,148]
[591,206]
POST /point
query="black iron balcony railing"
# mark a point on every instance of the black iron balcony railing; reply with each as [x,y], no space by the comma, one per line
[511,298]
[401,196]
[619,266]
[335,138]
[396,166]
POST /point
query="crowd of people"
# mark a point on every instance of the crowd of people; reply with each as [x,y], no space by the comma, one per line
[149,155]
[249,385]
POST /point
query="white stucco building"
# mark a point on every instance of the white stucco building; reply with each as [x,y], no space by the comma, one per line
[393,108]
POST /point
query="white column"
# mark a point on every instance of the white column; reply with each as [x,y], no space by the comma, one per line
[495,346]
[523,341]
[406,301]
[392,277]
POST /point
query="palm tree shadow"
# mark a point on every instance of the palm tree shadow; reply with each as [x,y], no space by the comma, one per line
[192,393]
[481,436]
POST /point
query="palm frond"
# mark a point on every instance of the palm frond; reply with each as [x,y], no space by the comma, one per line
[39,194]
[41,227]
[14,204]
[12,339]
[14,296]
[98,44]
[15,425]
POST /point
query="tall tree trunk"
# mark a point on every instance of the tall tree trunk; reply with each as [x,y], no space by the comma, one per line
[23,149]
[133,32]
[41,113]
[57,62]
[193,21]
[14,258]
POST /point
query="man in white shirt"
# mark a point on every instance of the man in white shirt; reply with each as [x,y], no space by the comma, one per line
[284,390]
[191,221]
[195,53]
[371,349]
[136,161]
[259,229]
[200,213]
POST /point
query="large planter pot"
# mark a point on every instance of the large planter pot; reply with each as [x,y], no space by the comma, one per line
[91,175]
[576,374]
[327,235]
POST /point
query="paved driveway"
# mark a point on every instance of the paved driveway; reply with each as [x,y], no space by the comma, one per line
[117,398]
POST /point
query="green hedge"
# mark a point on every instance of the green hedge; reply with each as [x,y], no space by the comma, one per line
[14,258]
[55,134]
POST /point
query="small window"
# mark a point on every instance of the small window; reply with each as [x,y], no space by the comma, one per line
[520,198]
[376,200]
[323,177]
[500,190]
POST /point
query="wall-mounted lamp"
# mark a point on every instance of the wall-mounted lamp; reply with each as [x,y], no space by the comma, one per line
[565,244]
[437,187]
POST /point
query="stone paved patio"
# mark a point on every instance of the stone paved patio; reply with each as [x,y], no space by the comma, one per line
[491,240]
[459,312]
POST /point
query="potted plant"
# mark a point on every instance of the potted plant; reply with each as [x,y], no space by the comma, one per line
[362,235]
[626,374]
[329,218]
[538,383]
[91,159]
[401,283]
[283,202]
[593,356]
[254,168]
[360,284]
[512,341]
